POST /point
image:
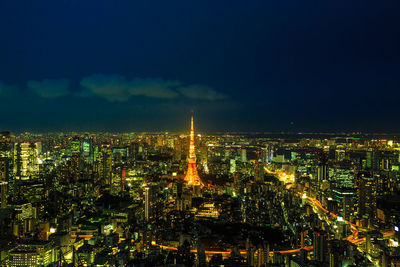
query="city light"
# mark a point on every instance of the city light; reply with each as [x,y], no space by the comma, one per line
[149,193]
[199,133]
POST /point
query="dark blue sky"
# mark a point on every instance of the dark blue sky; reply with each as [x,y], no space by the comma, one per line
[241,65]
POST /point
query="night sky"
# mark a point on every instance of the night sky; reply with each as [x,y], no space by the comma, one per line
[241,65]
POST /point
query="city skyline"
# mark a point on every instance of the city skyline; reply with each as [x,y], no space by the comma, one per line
[199,133]
[281,200]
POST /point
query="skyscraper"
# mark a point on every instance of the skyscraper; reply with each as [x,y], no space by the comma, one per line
[322,171]
[105,164]
[26,160]
[259,172]
[192,177]
[320,245]
[5,143]
[147,207]
[366,192]
[3,194]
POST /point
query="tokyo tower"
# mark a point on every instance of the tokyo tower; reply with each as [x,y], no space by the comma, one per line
[192,177]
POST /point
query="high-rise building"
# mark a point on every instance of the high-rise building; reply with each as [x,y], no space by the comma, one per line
[192,177]
[366,185]
[133,150]
[4,169]
[372,160]
[3,194]
[342,176]
[105,164]
[5,143]
[243,155]
[4,178]
[75,145]
[346,199]
[87,149]
[232,166]
[259,172]
[147,203]
[320,244]
[75,163]
[26,158]
[322,173]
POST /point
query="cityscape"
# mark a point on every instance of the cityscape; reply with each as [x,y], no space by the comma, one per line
[198,199]
[206,133]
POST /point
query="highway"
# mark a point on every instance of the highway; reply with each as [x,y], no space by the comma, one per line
[353,237]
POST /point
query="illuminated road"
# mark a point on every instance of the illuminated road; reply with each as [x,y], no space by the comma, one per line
[351,238]
[226,253]
[287,179]
[314,202]
[282,176]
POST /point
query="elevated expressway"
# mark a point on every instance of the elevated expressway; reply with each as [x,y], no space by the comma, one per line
[317,206]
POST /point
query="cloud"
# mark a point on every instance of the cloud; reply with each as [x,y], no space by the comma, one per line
[153,88]
[117,88]
[110,87]
[49,88]
[198,91]
[6,90]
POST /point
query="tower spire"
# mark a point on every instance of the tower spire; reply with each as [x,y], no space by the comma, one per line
[192,176]
[191,123]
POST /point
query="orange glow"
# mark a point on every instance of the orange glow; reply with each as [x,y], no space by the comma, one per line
[192,177]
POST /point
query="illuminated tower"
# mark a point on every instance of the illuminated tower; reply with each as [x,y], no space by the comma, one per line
[192,177]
